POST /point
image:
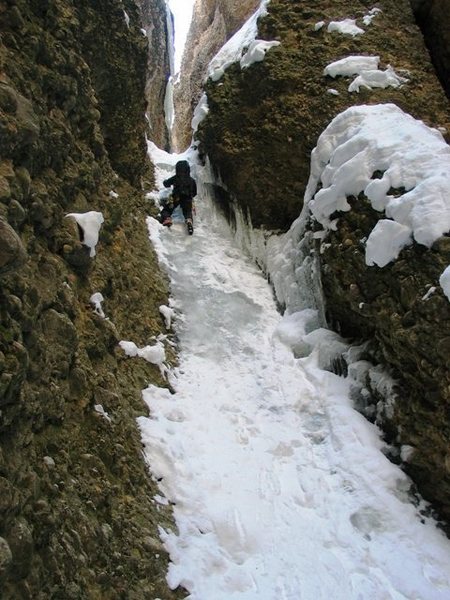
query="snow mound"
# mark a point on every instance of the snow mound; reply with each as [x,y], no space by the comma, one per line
[364,140]
[293,329]
[301,333]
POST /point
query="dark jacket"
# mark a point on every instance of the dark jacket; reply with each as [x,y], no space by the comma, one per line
[184,185]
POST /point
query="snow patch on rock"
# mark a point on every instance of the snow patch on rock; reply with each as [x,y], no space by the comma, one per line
[200,112]
[96,300]
[365,139]
[245,37]
[168,314]
[90,223]
[256,52]
[102,412]
[367,19]
[366,69]
[156,355]
[346,27]
[377,79]
[386,241]
[444,282]
[351,65]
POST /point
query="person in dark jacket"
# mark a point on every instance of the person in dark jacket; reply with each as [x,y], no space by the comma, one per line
[184,190]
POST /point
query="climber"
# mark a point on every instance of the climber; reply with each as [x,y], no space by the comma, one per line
[184,190]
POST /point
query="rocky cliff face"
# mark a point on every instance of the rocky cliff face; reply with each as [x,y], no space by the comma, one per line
[77,518]
[213,23]
[280,106]
[261,128]
[154,21]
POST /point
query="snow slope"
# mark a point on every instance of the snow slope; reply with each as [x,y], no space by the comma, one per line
[280,490]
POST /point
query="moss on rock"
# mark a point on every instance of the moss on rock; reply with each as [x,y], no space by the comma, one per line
[264,121]
[76,503]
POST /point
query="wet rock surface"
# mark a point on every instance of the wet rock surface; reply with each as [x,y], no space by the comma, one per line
[76,502]
[259,133]
[433,17]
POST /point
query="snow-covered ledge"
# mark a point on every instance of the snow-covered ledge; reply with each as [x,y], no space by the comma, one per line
[382,138]
[245,38]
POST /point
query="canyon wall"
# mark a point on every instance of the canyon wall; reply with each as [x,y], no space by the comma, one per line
[213,23]
[77,515]
[154,20]
[262,125]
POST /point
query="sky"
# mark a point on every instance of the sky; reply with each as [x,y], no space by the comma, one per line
[182,12]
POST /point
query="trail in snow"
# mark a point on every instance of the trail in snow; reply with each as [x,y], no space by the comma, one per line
[279,488]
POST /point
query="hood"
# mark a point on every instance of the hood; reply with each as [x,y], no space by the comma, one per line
[182,168]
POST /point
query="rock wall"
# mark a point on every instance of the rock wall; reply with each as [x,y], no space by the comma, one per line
[280,106]
[259,133]
[154,21]
[213,23]
[433,17]
[77,516]
[409,335]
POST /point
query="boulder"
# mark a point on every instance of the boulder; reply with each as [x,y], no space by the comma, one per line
[12,252]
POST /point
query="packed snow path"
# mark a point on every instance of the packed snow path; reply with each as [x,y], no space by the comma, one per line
[279,488]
